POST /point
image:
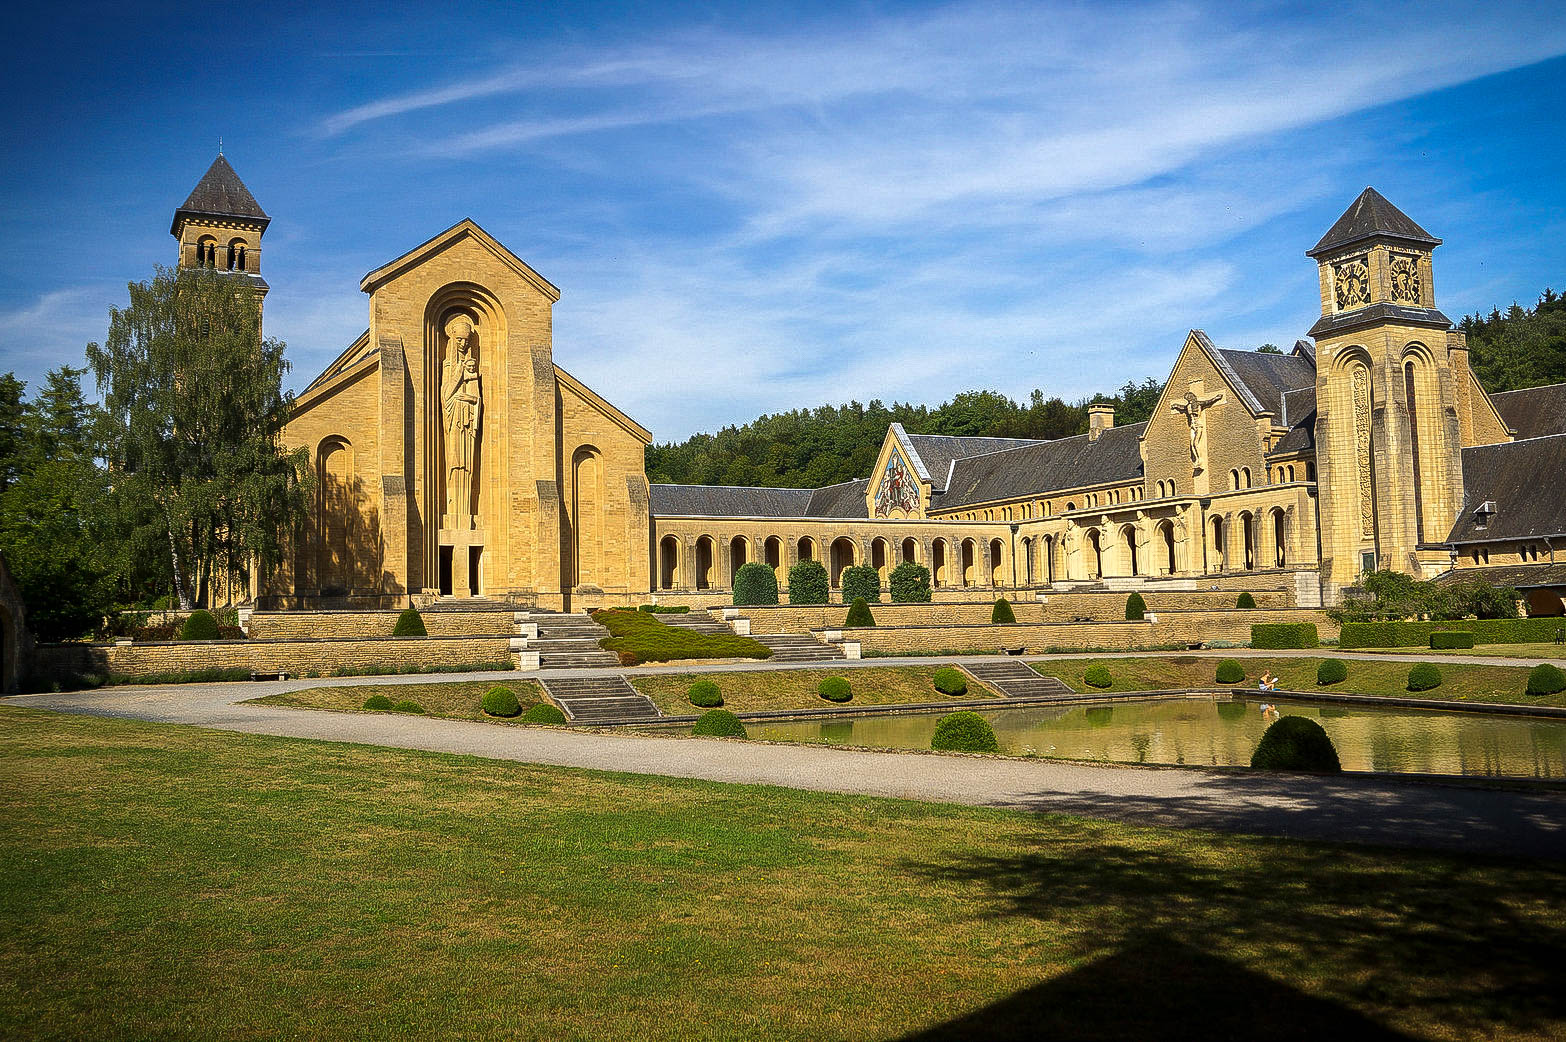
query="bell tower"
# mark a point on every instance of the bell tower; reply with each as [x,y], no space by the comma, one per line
[1388,442]
[220,225]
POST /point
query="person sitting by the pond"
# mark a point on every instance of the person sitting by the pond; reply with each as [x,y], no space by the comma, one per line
[1268,682]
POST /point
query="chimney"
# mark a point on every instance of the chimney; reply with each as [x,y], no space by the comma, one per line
[1101,417]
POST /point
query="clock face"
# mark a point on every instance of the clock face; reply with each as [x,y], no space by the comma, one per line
[1353,283]
[1405,279]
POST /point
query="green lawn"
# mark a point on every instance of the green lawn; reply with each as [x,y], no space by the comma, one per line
[171,882]
[1460,683]
[458,700]
[750,692]
[1536,652]
[644,635]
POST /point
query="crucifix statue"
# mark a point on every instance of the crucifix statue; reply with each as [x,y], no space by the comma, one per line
[1195,405]
[462,407]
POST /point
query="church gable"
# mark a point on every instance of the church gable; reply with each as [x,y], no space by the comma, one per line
[899,486]
[464,231]
[1204,426]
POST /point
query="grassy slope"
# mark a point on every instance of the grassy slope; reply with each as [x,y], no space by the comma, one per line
[650,640]
[159,881]
[796,688]
[1466,683]
[456,700]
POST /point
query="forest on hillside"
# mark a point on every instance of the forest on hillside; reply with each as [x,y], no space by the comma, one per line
[808,448]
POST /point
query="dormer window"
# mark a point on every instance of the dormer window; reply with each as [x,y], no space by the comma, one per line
[1483,514]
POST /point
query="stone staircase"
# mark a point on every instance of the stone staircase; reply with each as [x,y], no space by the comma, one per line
[1014,679]
[567,641]
[798,647]
[600,700]
[700,623]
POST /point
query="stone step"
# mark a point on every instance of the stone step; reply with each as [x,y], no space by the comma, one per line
[794,647]
[699,623]
[1014,679]
[605,699]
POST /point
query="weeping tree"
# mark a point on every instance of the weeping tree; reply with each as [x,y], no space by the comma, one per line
[193,417]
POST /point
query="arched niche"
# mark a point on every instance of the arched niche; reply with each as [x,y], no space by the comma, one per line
[586,517]
[335,514]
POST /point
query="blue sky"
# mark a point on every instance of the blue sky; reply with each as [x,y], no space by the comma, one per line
[750,208]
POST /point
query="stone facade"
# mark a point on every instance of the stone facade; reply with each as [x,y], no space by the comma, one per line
[455,458]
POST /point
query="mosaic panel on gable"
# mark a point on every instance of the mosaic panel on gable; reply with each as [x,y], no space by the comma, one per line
[899,490]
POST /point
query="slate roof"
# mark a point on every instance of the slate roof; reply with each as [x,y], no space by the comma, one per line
[1371,314]
[1042,467]
[1523,479]
[938,450]
[1521,576]
[221,193]
[843,500]
[1269,376]
[727,501]
[1534,412]
[1299,413]
[1371,216]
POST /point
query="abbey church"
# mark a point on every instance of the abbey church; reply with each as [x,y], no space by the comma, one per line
[456,458]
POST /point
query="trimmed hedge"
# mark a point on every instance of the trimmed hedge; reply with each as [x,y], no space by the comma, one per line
[1295,743]
[377,702]
[1423,677]
[861,580]
[951,681]
[719,723]
[835,689]
[704,694]
[1272,635]
[669,609]
[1545,679]
[1230,672]
[859,614]
[964,732]
[1097,676]
[1331,671]
[410,624]
[408,705]
[544,713]
[1417,634]
[910,584]
[199,626]
[1445,639]
[1136,608]
[1245,600]
[501,701]
[1002,611]
[808,583]
[755,583]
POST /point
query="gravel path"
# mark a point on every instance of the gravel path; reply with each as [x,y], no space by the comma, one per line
[1355,809]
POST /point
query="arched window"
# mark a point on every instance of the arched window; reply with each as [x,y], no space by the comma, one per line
[206,252]
[1234,480]
[1245,476]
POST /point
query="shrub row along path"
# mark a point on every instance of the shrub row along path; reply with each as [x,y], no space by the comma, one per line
[1354,809]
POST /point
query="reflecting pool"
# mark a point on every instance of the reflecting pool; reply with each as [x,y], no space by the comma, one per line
[1224,732]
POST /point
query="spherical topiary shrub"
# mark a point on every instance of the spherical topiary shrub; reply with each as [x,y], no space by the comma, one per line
[1002,611]
[1097,676]
[808,583]
[835,689]
[1294,743]
[1136,608]
[1230,672]
[377,702]
[544,713]
[965,732]
[410,624]
[501,701]
[200,626]
[1545,679]
[950,681]
[859,614]
[719,723]
[910,584]
[1423,677]
[1331,671]
[861,580]
[408,705]
[704,694]
[755,583]
[1245,600]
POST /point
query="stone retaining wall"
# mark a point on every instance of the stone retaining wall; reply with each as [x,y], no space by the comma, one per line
[1099,606]
[1171,628]
[295,657]
[325,625]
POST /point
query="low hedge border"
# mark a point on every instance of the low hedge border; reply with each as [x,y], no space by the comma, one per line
[1417,634]
[1445,640]
[1274,635]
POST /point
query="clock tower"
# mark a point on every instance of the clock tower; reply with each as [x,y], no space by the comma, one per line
[1388,438]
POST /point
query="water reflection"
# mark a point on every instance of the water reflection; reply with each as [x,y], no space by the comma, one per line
[1212,732]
